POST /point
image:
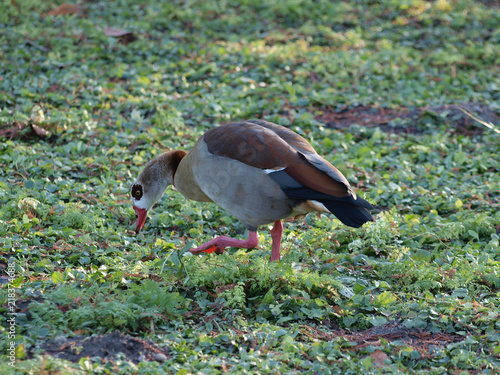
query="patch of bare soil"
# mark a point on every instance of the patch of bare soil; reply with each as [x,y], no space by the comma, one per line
[412,120]
[425,342]
[105,346]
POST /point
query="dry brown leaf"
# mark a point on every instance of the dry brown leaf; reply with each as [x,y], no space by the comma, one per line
[114,32]
[63,10]
[378,357]
[337,309]
[12,132]
[124,36]
[225,368]
[41,132]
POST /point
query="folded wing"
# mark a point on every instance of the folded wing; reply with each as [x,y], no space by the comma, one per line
[292,163]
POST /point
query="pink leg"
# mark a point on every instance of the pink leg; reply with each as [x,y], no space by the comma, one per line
[219,244]
[276,234]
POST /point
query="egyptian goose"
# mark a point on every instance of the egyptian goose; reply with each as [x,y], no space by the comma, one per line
[259,172]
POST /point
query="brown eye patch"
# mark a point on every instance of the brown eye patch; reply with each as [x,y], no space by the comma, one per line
[136,192]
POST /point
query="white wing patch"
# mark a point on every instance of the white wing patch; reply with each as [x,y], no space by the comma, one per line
[318,206]
[309,206]
[273,170]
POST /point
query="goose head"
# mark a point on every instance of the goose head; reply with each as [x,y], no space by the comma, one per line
[149,187]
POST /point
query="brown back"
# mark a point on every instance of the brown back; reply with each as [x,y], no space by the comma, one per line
[265,145]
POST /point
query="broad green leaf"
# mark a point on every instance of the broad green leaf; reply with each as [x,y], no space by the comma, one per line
[422,256]
[18,281]
[144,80]
[269,296]
[378,320]
[57,277]
[385,299]
[461,292]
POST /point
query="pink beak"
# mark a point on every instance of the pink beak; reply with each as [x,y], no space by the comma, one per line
[141,215]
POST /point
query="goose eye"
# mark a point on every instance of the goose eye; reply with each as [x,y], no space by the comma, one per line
[136,192]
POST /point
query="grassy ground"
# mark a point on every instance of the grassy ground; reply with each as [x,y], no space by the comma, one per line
[88,97]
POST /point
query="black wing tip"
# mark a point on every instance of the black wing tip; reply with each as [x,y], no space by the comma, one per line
[363,203]
[351,211]
[350,215]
